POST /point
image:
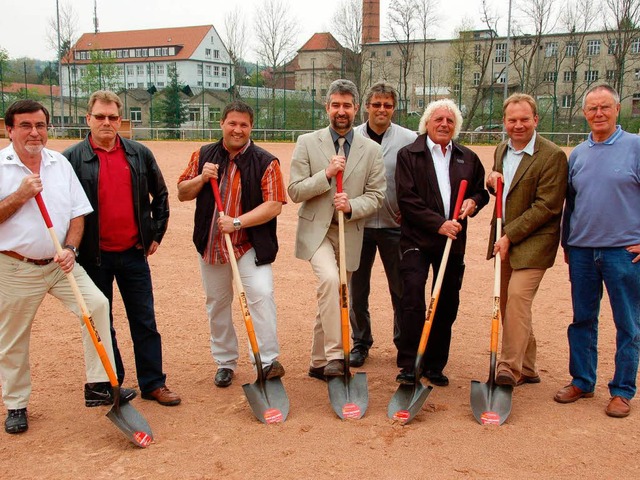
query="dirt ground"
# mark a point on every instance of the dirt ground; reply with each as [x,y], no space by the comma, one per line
[213,433]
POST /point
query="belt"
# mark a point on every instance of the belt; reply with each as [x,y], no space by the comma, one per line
[42,262]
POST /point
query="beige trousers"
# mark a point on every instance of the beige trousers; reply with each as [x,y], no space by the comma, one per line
[327,339]
[517,291]
[22,289]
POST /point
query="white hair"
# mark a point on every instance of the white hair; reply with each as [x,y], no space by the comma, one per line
[447,104]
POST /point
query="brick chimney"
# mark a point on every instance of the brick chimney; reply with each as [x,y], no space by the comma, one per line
[370,21]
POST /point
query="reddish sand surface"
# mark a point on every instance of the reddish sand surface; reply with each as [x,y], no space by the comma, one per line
[213,433]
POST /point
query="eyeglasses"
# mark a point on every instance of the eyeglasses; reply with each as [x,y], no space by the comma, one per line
[100,117]
[28,127]
[377,105]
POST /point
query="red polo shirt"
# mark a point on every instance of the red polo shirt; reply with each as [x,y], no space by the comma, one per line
[118,228]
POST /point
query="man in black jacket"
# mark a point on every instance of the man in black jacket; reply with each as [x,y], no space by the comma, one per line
[428,177]
[130,215]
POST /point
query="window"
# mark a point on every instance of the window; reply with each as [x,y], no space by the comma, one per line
[194,114]
[635,45]
[160,84]
[373,54]
[165,51]
[567,101]
[636,74]
[120,70]
[140,69]
[550,76]
[388,53]
[457,68]
[83,55]
[216,71]
[499,77]
[613,47]
[151,52]
[199,69]
[158,51]
[160,69]
[131,85]
[593,48]
[611,75]
[477,52]
[551,49]
[130,70]
[208,84]
[207,70]
[216,84]
[476,79]
[138,52]
[224,85]
[140,84]
[224,71]
[199,83]
[591,75]
[569,76]
[145,52]
[501,53]
[635,105]
[119,53]
[216,54]
[456,89]
[135,114]
[207,53]
[214,114]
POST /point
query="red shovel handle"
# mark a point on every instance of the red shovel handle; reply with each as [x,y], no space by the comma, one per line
[216,193]
[44,211]
[461,192]
[499,198]
[339,182]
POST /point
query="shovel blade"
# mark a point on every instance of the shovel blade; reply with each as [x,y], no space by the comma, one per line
[491,404]
[268,400]
[349,395]
[131,423]
[407,402]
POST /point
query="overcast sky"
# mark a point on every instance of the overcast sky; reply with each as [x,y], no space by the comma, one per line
[24,25]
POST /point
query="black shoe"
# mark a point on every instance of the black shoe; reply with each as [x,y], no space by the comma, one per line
[317,372]
[97,394]
[406,378]
[358,355]
[437,378]
[16,421]
[335,368]
[223,377]
[275,370]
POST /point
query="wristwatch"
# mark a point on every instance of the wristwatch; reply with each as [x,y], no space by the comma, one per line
[237,224]
[73,249]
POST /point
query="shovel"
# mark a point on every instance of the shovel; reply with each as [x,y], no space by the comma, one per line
[409,399]
[267,398]
[491,403]
[348,394]
[124,416]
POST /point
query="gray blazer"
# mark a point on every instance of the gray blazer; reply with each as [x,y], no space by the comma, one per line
[363,181]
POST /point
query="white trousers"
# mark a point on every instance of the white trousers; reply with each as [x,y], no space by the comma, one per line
[258,285]
[23,287]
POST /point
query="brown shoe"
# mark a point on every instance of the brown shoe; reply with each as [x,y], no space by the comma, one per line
[528,379]
[317,372]
[618,407]
[505,377]
[334,368]
[275,370]
[571,393]
[163,396]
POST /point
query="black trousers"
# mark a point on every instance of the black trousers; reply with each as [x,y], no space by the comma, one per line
[414,270]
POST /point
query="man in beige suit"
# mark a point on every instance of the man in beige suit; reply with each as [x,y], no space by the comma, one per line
[534,171]
[314,166]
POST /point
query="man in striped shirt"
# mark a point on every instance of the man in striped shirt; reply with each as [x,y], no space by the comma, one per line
[252,193]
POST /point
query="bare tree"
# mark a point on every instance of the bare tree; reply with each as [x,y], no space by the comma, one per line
[68,30]
[402,28]
[276,32]
[235,28]
[347,28]
[622,27]
[426,17]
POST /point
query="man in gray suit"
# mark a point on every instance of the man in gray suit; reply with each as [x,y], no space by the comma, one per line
[314,165]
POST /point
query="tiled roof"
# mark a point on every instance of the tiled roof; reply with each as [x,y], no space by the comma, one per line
[40,89]
[187,38]
[321,41]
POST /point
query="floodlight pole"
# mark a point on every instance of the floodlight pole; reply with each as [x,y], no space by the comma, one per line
[60,68]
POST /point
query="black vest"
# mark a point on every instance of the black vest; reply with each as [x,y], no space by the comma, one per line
[252,165]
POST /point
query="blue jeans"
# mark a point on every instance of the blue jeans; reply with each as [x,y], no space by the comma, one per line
[588,269]
[131,271]
[387,242]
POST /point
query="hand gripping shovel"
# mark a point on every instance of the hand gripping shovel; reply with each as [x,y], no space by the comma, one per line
[267,398]
[124,416]
[409,399]
[491,403]
[348,394]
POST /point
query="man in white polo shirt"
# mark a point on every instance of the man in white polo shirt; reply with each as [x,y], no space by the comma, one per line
[29,265]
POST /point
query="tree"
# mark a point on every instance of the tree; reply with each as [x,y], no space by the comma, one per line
[622,27]
[276,33]
[235,27]
[402,26]
[68,30]
[173,110]
[427,16]
[101,74]
[4,63]
[347,28]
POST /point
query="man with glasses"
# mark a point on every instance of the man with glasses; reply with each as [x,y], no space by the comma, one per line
[29,265]
[601,240]
[382,229]
[131,211]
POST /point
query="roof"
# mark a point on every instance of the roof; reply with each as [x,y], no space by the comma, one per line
[40,89]
[321,41]
[186,38]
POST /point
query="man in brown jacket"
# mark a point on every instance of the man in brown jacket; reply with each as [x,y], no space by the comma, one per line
[534,171]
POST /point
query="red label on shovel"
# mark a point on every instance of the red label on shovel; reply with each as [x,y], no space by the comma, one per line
[142,439]
[272,415]
[401,415]
[490,418]
[351,410]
